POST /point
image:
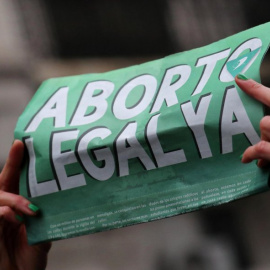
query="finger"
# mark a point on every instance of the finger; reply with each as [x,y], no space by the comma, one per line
[9,178]
[265,128]
[7,214]
[265,136]
[254,89]
[18,203]
[260,150]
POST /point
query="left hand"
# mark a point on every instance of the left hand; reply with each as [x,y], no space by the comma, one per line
[261,150]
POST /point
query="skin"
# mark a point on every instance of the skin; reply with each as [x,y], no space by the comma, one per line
[15,253]
[260,151]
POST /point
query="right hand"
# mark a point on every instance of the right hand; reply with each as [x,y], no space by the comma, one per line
[15,253]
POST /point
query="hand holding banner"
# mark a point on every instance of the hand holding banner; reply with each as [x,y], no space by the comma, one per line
[142,143]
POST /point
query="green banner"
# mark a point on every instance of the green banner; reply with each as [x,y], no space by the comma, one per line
[144,142]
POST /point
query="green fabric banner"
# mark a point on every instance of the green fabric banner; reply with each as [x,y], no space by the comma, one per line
[144,142]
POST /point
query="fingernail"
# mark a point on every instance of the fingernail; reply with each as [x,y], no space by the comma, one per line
[19,218]
[33,207]
[241,157]
[242,77]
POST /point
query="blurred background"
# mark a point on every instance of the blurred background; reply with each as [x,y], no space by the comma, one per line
[40,39]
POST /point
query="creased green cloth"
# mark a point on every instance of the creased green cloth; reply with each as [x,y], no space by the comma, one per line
[144,142]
